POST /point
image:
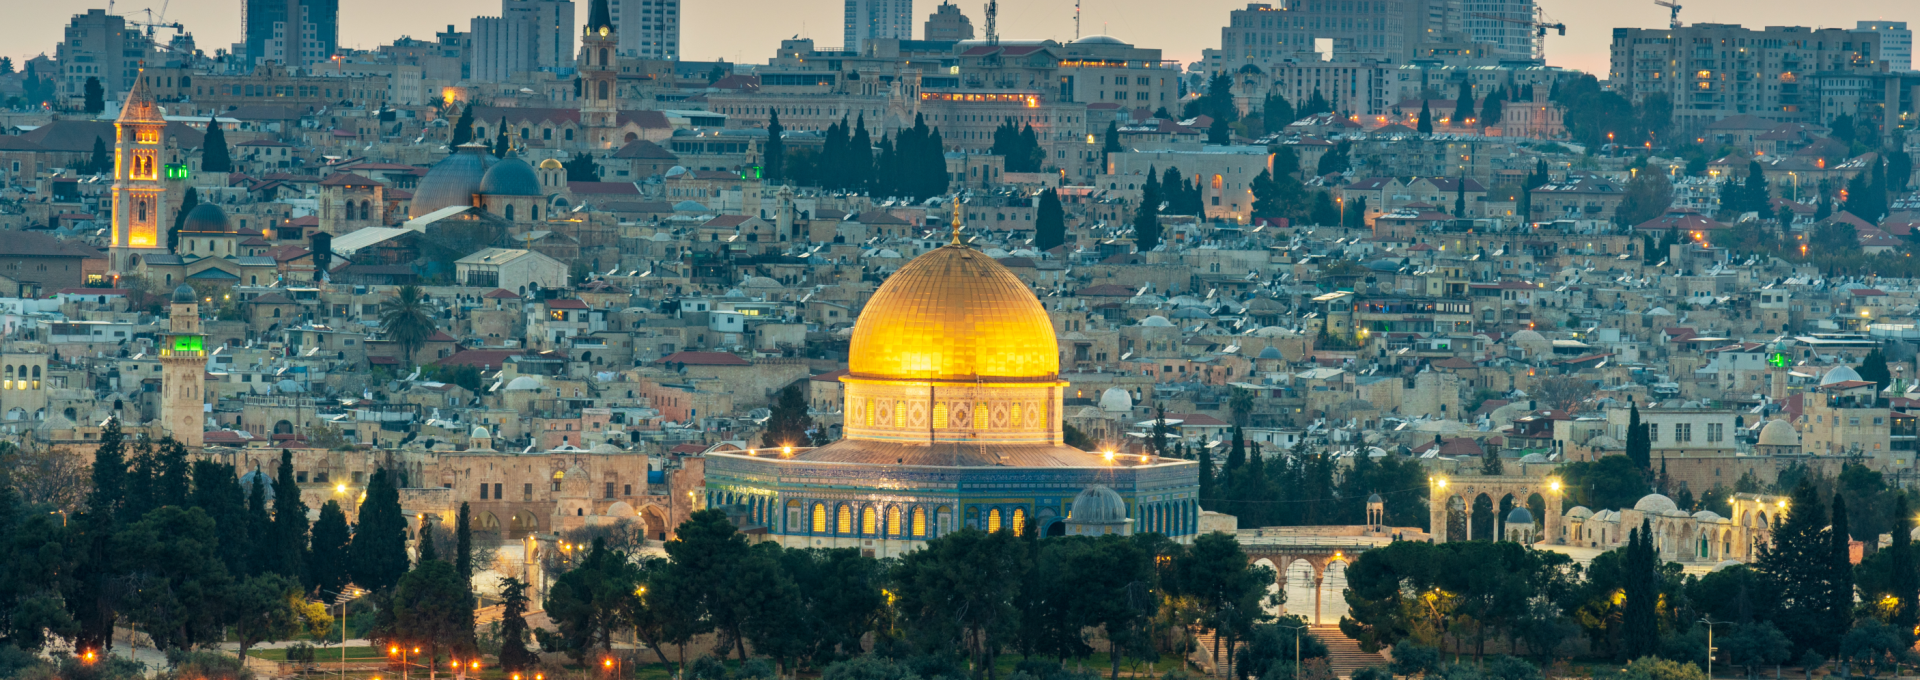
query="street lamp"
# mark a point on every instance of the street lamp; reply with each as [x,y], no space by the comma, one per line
[1710,650]
[1297,630]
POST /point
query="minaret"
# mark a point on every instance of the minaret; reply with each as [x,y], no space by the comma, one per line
[183,361]
[599,86]
[139,197]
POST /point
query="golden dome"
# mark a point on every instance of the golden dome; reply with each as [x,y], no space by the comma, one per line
[955,315]
[550,164]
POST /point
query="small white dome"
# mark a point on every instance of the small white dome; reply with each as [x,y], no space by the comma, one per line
[1656,503]
[1116,400]
[1534,343]
[1839,374]
[1156,321]
[1098,504]
[480,432]
[1707,516]
[620,509]
[525,382]
[1779,432]
[1579,512]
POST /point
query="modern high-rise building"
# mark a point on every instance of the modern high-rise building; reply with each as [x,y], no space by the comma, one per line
[291,32]
[947,24]
[649,29]
[529,35]
[877,19]
[1896,42]
[100,45]
[1503,25]
[1778,74]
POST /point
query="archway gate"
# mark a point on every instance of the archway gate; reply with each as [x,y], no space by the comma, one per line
[1441,491]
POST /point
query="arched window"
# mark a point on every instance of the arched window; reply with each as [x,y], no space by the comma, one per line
[843,522]
[509,212]
[893,520]
[919,522]
[819,518]
[366,209]
[536,213]
[993,520]
[869,522]
[143,209]
[603,90]
[1019,521]
[603,58]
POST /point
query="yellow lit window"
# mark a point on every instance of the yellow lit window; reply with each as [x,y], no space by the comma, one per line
[993,520]
[819,518]
[893,520]
[920,522]
[845,522]
[940,416]
[981,416]
[1019,521]
[899,413]
[869,522]
[869,409]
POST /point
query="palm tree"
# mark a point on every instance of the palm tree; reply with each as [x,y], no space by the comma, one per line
[407,320]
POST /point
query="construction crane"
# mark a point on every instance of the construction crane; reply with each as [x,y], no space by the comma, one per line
[1673,22]
[151,23]
[1537,25]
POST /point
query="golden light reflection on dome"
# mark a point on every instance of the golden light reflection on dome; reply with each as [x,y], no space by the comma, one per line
[954,314]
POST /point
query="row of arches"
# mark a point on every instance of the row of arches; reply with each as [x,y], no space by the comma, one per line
[925,521]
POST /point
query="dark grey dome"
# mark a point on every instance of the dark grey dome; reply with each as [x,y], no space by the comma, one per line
[1098,505]
[511,177]
[1375,498]
[257,477]
[1520,515]
[206,218]
[452,181]
[184,295]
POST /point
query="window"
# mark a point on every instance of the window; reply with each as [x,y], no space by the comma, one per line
[919,522]
[1653,432]
[610,489]
[526,492]
[300,477]
[819,518]
[893,520]
[1715,431]
[1854,420]
[1019,521]
[1683,432]
[483,491]
[843,520]
[869,522]
[993,520]
[496,487]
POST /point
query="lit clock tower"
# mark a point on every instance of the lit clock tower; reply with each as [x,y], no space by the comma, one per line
[139,196]
[599,77]
[183,360]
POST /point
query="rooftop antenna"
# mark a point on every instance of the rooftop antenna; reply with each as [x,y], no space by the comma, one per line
[993,9]
[1076,19]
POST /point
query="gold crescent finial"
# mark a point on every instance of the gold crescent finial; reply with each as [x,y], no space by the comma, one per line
[956,219]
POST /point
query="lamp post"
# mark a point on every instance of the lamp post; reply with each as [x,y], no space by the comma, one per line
[1297,631]
[1710,650]
[341,599]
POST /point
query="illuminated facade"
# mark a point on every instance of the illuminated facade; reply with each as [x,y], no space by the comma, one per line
[139,193]
[953,413]
[183,358]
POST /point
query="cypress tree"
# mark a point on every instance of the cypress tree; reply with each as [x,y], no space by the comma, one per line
[1839,609]
[425,544]
[1639,448]
[377,557]
[91,596]
[1797,565]
[775,163]
[833,156]
[188,201]
[1049,222]
[501,142]
[1209,490]
[1642,628]
[1146,216]
[1460,196]
[259,529]
[101,163]
[514,655]
[328,559]
[96,96]
[933,165]
[1232,480]
[1905,580]
[214,155]
[1112,145]
[860,174]
[1463,104]
[217,492]
[1425,124]
[463,545]
[289,523]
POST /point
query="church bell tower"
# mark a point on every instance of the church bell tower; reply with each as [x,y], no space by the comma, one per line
[599,77]
[139,196]
[183,361]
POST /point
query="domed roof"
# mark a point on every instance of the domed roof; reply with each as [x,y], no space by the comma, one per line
[1374,498]
[1839,374]
[257,476]
[1727,563]
[206,218]
[1579,512]
[1707,516]
[953,314]
[525,382]
[1520,515]
[552,164]
[1535,458]
[1654,502]
[1156,321]
[511,177]
[184,295]
[452,181]
[480,432]
[1098,504]
[1098,40]
[1271,352]
[1116,399]
[1533,342]
[1779,432]
[620,509]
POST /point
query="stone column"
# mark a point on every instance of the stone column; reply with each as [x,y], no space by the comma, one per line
[1437,517]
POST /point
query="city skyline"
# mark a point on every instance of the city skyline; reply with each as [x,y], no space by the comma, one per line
[742,31]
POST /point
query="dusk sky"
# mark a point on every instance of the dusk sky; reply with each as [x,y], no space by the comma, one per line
[749,30]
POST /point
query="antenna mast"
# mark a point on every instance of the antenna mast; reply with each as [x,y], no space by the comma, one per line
[993,8]
[1076,19]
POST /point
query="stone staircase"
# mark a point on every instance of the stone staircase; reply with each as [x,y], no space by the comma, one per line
[1344,655]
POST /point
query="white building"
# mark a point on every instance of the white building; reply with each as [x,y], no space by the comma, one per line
[871,19]
[528,35]
[1498,23]
[649,29]
[1896,42]
[511,269]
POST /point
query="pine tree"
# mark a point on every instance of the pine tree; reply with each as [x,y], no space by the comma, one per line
[1276,113]
[1873,369]
[1049,222]
[1797,565]
[289,523]
[775,162]
[327,562]
[1266,196]
[91,593]
[96,96]
[1218,134]
[377,557]
[1492,108]
[1425,124]
[214,155]
[463,127]
[1755,193]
